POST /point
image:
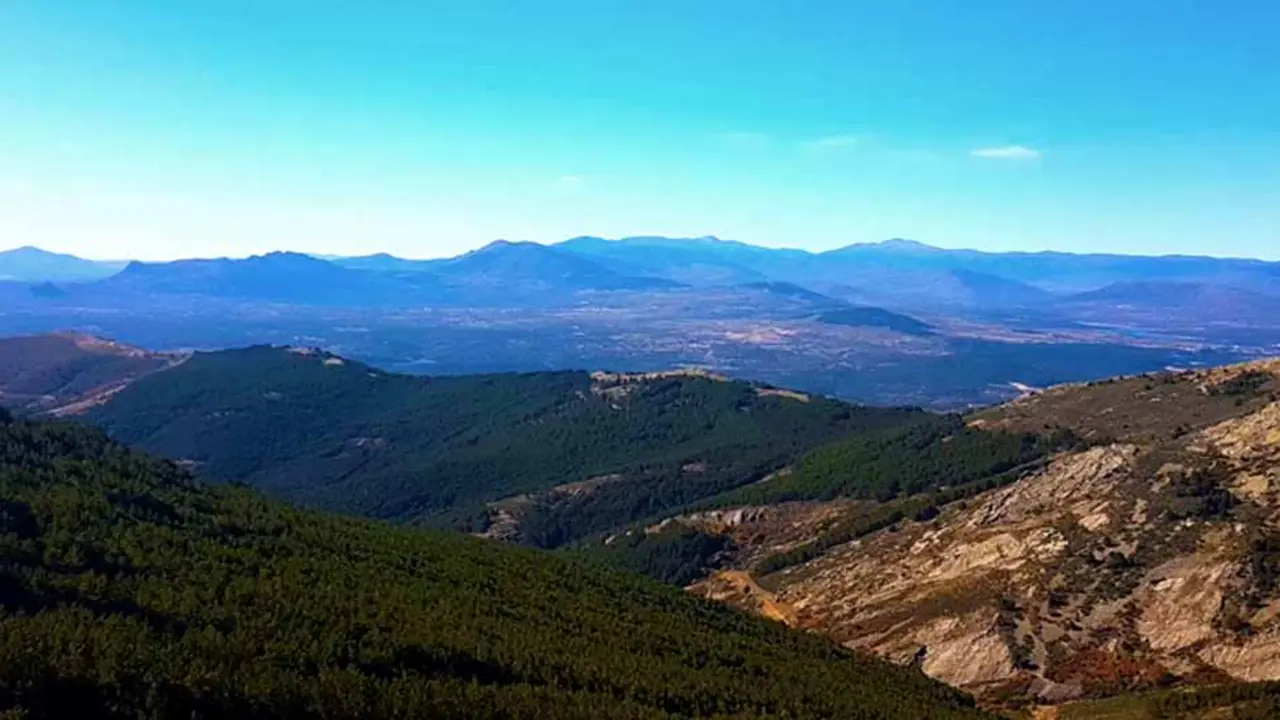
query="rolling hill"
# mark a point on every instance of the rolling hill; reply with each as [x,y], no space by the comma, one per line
[128,590]
[323,431]
[69,372]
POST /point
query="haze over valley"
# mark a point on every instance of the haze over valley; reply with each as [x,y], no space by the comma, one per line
[890,323]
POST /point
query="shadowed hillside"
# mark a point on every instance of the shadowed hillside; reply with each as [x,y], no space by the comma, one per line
[328,432]
[127,590]
[69,372]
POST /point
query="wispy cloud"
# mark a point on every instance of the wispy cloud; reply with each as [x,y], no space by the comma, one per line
[831,142]
[1007,152]
[568,185]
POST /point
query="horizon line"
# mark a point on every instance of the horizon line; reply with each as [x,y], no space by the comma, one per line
[887,243]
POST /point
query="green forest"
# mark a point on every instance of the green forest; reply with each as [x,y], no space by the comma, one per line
[341,436]
[129,589]
[923,455]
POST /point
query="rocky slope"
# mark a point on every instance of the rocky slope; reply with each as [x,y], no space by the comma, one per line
[1148,556]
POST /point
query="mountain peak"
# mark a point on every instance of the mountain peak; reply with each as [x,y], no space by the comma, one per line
[896,246]
[905,244]
[286,256]
[501,245]
[32,264]
[31,253]
[26,250]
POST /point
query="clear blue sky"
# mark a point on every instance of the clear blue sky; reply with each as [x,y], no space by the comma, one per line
[226,127]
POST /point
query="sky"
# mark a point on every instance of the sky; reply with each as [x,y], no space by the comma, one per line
[202,128]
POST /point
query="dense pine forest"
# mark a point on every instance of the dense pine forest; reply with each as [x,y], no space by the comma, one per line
[342,436]
[567,457]
[130,590]
[920,456]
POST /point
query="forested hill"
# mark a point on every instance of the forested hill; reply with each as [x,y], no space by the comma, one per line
[63,372]
[331,433]
[128,590]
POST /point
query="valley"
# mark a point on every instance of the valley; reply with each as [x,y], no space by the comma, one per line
[887,324]
[1089,541]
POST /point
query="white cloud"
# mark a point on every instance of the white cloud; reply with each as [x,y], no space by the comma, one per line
[1007,152]
[832,142]
[568,185]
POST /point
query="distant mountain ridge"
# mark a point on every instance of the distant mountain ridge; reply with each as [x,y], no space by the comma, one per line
[517,266]
[282,276]
[874,272]
[31,264]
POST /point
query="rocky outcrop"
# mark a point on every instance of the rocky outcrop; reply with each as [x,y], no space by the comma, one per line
[1140,560]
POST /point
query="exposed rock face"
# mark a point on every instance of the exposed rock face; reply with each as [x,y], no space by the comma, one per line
[1151,556]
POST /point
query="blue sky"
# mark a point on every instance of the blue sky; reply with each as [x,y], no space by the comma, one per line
[228,127]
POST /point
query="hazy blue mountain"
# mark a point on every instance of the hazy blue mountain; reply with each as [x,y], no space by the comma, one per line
[900,275]
[989,290]
[833,311]
[382,262]
[47,290]
[516,267]
[1170,293]
[875,317]
[795,292]
[497,274]
[893,247]
[1068,272]
[898,272]
[909,273]
[1187,301]
[275,277]
[918,288]
[31,264]
[692,261]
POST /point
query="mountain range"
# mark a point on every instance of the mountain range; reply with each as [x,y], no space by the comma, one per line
[896,322]
[960,277]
